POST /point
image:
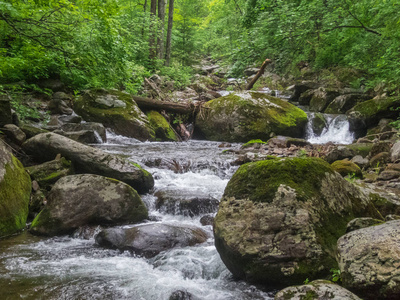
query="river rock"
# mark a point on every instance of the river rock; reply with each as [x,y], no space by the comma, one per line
[150,239]
[318,290]
[15,190]
[115,110]
[369,261]
[279,220]
[86,199]
[92,126]
[395,152]
[14,133]
[301,88]
[82,136]
[163,130]
[321,98]
[360,161]
[249,115]
[86,159]
[359,223]
[31,130]
[379,160]
[318,123]
[59,104]
[343,103]
[5,110]
[346,167]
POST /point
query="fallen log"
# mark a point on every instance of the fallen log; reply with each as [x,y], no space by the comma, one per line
[152,104]
[259,73]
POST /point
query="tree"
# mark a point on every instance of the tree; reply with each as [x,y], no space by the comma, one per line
[160,41]
[169,32]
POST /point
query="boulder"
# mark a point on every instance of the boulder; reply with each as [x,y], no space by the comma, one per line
[318,290]
[5,110]
[385,205]
[321,98]
[380,147]
[388,175]
[369,261]
[149,240]
[249,115]
[360,161]
[346,167]
[395,152]
[86,199]
[305,97]
[379,160]
[32,130]
[279,220]
[92,126]
[359,223]
[59,104]
[14,133]
[115,110]
[15,190]
[318,123]
[82,136]
[343,103]
[162,129]
[86,159]
[300,88]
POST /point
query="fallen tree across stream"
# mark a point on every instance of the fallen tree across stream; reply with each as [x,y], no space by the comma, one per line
[152,104]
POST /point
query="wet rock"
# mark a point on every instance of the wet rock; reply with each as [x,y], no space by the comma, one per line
[207,220]
[82,136]
[369,261]
[339,153]
[93,126]
[79,200]
[318,289]
[182,295]
[318,123]
[345,167]
[162,128]
[321,98]
[15,190]
[343,103]
[5,110]
[305,97]
[246,116]
[150,239]
[86,159]
[359,223]
[300,88]
[279,220]
[105,106]
[15,134]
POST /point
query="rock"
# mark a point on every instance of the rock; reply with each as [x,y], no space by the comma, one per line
[368,113]
[300,88]
[58,105]
[362,149]
[360,161]
[148,240]
[67,119]
[199,87]
[318,123]
[359,223]
[339,153]
[395,152]
[385,206]
[37,202]
[379,159]
[49,172]
[345,167]
[182,295]
[250,115]
[126,120]
[32,130]
[321,98]
[188,205]
[388,175]
[305,97]
[369,261]
[207,220]
[343,103]
[279,220]
[15,190]
[383,131]
[14,133]
[162,129]
[380,147]
[92,126]
[392,217]
[79,200]
[86,159]
[318,290]
[5,110]
[82,136]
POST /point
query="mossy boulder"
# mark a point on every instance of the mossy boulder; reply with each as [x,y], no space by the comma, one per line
[346,167]
[15,190]
[79,200]
[343,103]
[279,220]
[318,123]
[162,128]
[116,110]
[249,115]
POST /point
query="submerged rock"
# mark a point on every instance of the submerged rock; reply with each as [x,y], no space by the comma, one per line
[150,239]
[86,159]
[279,220]
[15,190]
[79,200]
[369,261]
[250,115]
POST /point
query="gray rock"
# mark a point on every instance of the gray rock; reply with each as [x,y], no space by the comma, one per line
[321,98]
[207,220]
[369,261]
[87,159]
[360,161]
[343,103]
[388,175]
[318,290]
[380,147]
[251,71]
[58,105]
[14,133]
[182,295]
[395,152]
[66,119]
[97,127]
[359,223]
[150,239]
[79,200]
[300,88]
[82,136]
[339,153]
[109,101]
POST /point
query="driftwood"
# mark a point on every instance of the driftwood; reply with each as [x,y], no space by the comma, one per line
[152,104]
[258,75]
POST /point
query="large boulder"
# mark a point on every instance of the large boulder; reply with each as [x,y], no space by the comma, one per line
[249,115]
[90,126]
[321,98]
[115,110]
[343,103]
[369,261]
[149,240]
[161,127]
[279,220]
[316,290]
[86,159]
[15,189]
[86,199]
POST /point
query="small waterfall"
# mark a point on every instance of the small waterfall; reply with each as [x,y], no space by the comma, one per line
[336,130]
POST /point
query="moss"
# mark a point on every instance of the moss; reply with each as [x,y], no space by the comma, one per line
[252,142]
[162,128]
[310,295]
[346,167]
[15,190]
[146,173]
[383,205]
[362,149]
[264,177]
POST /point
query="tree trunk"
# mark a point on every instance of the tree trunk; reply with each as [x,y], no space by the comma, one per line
[144,13]
[259,73]
[160,40]
[151,104]
[169,32]
[152,42]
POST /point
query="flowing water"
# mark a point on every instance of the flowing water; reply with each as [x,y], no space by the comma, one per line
[75,268]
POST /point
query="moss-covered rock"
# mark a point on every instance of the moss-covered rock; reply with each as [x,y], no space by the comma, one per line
[279,220]
[318,123]
[346,167]
[343,103]
[162,129]
[321,98]
[252,143]
[249,115]
[115,110]
[15,189]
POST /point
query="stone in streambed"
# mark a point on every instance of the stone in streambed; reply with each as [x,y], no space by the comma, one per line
[79,200]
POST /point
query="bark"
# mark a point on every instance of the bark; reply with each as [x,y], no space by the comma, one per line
[169,32]
[152,42]
[160,40]
[259,73]
[152,104]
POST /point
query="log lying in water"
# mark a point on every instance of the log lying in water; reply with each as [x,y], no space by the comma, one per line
[152,104]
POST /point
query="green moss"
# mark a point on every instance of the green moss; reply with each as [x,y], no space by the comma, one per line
[264,177]
[346,167]
[15,189]
[146,173]
[162,128]
[252,142]
[362,149]
[384,206]
[310,295]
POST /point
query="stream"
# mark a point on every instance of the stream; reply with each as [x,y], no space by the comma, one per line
[76,268]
